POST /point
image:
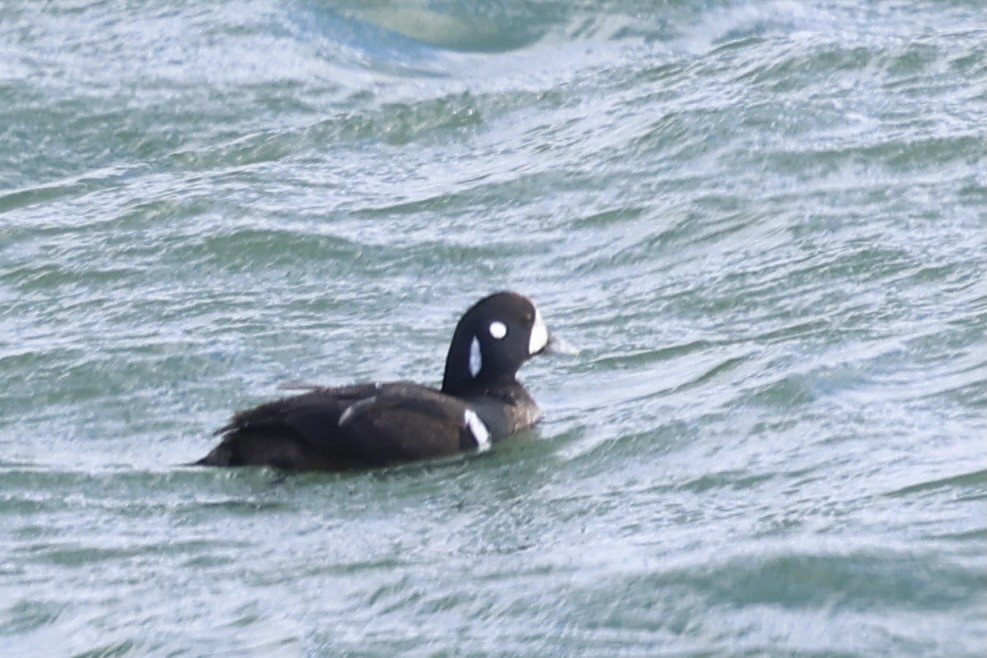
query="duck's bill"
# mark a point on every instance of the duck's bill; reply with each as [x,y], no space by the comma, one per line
[556,345]
[543,341]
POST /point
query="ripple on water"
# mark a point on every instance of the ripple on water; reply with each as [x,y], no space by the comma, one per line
[761,223]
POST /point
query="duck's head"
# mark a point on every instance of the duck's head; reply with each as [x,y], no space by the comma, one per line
[493,340]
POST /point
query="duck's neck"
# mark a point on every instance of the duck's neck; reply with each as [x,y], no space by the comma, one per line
[459,378]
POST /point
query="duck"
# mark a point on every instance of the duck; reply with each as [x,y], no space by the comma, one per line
[379,424]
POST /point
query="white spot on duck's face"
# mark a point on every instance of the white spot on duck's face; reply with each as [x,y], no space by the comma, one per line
[476,359]
[539,335]
[476,427]
[498,329]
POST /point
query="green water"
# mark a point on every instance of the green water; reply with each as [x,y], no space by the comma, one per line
[763,223]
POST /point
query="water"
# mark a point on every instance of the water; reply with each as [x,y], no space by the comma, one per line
[763,223]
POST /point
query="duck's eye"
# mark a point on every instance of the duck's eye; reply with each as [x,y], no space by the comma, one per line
[498,329]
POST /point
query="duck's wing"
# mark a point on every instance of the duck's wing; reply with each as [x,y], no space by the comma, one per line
[347,427]
[409,423]
[294,433]
[320,407]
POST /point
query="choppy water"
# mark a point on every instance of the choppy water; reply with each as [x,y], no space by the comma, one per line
[765,224]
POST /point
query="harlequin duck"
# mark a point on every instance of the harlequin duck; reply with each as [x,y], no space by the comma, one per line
[365,425]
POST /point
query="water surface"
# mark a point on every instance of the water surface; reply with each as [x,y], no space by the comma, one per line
[763,223]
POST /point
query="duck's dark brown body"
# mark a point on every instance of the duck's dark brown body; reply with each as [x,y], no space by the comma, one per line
[348,427]
[370,425]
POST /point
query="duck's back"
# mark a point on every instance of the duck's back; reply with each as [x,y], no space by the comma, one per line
[349,427]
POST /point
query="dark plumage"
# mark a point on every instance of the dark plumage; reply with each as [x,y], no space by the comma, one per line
[378,424]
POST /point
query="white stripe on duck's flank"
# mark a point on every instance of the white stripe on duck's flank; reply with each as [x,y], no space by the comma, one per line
[354,408]
[539,335]
[476,427]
